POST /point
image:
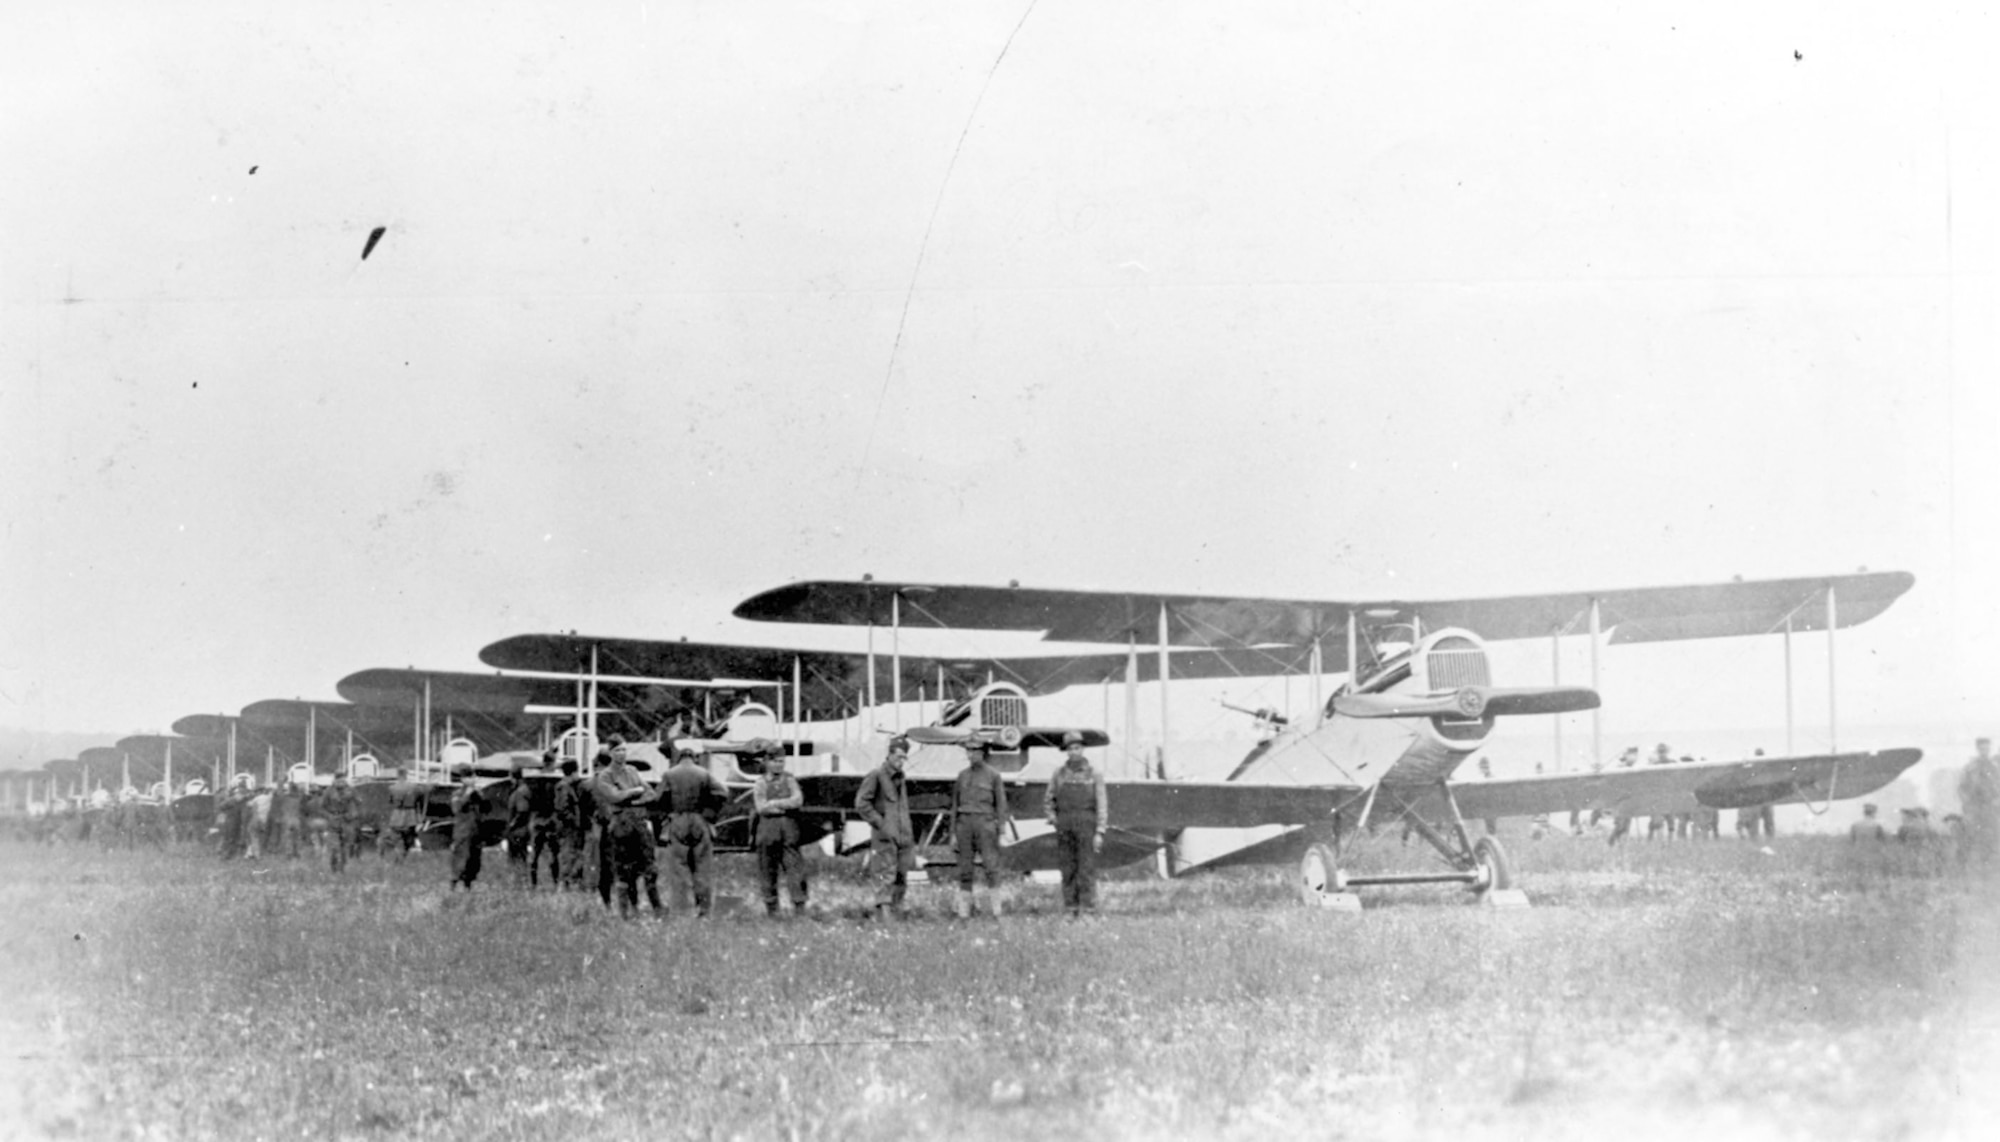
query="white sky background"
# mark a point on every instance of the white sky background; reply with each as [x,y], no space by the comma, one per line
[1256,299]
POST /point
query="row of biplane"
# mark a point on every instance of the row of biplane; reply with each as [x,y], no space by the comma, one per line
[1404,696]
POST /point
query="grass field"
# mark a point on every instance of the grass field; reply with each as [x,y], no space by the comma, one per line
[1818,991]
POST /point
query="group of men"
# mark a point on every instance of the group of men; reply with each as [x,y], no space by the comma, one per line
[610,815]
[1074,803]
[571,820]
[283,819]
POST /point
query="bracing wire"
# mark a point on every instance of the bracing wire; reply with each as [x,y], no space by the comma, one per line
[924,245]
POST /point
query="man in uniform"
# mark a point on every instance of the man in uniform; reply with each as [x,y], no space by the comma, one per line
[978,815]
[1916,827]
[693,796]
[520,825]
[337,806]
[622,796]
[885,805]
[257,823]
[287,819]
[1868,828]
[544,834]
[1075,804]
[468,805]
[778,799]
[573,821]
[406,816]
[1979,802]
[229,814]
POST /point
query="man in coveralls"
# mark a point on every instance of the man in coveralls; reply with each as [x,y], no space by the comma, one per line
[885,805]
[622,798]
[978,816]
[778,799]
[1075,805]
[692,796]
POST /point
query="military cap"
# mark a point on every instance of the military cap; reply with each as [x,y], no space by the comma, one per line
[899,745]
[1072,738]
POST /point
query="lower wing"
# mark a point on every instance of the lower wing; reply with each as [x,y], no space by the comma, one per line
[1664,789]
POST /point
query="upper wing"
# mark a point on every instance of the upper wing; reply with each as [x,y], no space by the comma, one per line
[1650,790]
[831,678]
[1642,614]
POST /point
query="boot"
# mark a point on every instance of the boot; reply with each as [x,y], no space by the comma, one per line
[964,904]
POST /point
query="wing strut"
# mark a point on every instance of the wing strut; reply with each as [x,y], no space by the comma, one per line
[1131,698]
[1556,669]
[1832,697]
[1166,661]
[1596,714]
[896,658]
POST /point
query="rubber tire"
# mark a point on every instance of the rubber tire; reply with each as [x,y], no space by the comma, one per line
[1319,875]
[1489,855]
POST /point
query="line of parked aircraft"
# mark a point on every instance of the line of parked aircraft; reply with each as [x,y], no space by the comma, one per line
[1403,696]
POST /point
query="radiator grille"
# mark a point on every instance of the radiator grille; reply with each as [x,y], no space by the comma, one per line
[1003,710]
[1454,662]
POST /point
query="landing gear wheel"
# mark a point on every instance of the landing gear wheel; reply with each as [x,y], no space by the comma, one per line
[1320,875]
[1491,861]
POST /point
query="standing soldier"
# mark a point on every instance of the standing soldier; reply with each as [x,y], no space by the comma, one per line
[257,823]
[544,834]
[622,797]
[693,796]
[287,818]
[573,813]
[1979,802]
[978,814]
[600,825]
[885,805]
[406,815]
[468,805]
[520,826]
[1868,828]
[337,806]
[778,800]
[230,816]
[1075,805]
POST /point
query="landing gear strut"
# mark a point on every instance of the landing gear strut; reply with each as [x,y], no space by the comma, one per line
[1480,865]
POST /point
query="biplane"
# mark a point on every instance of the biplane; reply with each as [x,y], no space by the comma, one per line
[1416,700]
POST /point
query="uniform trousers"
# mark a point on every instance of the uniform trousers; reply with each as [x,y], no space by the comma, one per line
[779,859]
[977,835]
[691,857]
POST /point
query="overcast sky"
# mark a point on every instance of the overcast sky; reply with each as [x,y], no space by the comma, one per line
[676,303]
